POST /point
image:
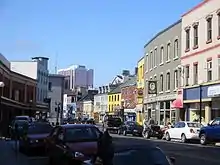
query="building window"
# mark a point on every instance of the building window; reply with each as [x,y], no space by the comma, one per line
[195,73]
[118,98]
[152,60]
[155,77]
[50,86]
[209,70]
[209,29]
[161,83]
[147,64]
[219,68]
[176,48]
[187,39]
[155,57]
[168,81]
[176,79]
[168,52]
[218,24]
[195,36]
[187,75]
[161,55]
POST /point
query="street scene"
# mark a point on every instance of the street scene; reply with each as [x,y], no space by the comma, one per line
[106,83]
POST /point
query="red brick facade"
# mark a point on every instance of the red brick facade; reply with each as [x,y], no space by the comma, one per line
[129,97]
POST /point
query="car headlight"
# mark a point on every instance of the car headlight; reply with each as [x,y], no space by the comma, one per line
[33,141]
[78,154]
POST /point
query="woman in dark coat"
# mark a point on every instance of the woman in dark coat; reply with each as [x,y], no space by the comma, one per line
[105,149]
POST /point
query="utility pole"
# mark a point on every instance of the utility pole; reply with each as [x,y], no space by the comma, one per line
[56,63]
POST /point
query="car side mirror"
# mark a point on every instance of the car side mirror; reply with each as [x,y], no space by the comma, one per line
[172,160]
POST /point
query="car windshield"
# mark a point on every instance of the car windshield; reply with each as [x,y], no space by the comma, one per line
[132,123]
[21,118]
[194,125]
[81,134]
[39,128]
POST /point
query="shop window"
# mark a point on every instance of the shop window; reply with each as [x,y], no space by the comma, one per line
[209,70]
[195,73]
[187,75]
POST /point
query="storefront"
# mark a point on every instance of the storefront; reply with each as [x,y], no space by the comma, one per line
[210,102]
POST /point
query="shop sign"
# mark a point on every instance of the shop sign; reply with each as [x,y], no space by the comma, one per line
[213,91]
[152,87]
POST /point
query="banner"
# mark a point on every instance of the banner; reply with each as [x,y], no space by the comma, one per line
[152,87]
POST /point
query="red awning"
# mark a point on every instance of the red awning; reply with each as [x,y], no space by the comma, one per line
[178,103]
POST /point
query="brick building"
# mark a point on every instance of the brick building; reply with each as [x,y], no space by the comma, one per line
[17,95]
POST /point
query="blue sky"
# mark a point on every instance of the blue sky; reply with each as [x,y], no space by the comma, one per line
[106,35]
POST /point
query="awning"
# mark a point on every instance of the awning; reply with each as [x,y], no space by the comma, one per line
[178,103]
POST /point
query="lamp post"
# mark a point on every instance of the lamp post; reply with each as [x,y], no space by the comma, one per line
[200,102]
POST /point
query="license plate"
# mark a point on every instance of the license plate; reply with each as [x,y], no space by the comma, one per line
[135,130]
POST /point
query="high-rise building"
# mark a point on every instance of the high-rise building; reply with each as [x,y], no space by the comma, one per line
[79,76]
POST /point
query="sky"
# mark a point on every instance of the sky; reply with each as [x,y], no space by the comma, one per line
[105,35]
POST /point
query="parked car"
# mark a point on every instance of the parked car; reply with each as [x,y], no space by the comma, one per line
[152,129]
[21,124]
[28,118]
[184,130]
[34,138]
[130,127]
[72,142]
[210,133]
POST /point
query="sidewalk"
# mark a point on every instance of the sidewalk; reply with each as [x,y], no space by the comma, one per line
[8,155]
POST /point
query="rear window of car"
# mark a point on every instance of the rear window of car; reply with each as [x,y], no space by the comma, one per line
[81,134]
[194,125]
[41,128]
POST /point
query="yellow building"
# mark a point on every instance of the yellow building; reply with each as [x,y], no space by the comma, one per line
[140,90]
[114,99]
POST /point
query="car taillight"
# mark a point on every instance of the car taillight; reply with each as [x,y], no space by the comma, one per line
[192,131]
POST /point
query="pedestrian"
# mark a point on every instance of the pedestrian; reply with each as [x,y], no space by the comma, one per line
[105,149]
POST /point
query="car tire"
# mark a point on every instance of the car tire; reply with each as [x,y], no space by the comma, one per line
[147,135]
[124,133]
[203,139]
[168,137]
[183,138]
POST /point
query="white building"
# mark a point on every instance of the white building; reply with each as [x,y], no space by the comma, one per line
[200,59]
[36,69]
[79,76]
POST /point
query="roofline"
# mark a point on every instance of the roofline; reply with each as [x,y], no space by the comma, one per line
[161,32]
[141,59]
[56,75]
[45,58]
[196,7]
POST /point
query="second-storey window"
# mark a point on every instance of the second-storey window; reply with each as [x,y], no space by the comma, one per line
[195,36]
[175,79]
[161,83]
[147,64]
[168,81]
[195,73]
[187,39]
[151,59]
[218,24]
[209,70]
[209,29]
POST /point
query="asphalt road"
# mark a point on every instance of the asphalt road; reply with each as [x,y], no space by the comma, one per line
[185,154]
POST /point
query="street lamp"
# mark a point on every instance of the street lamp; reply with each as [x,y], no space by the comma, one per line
[200,101]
